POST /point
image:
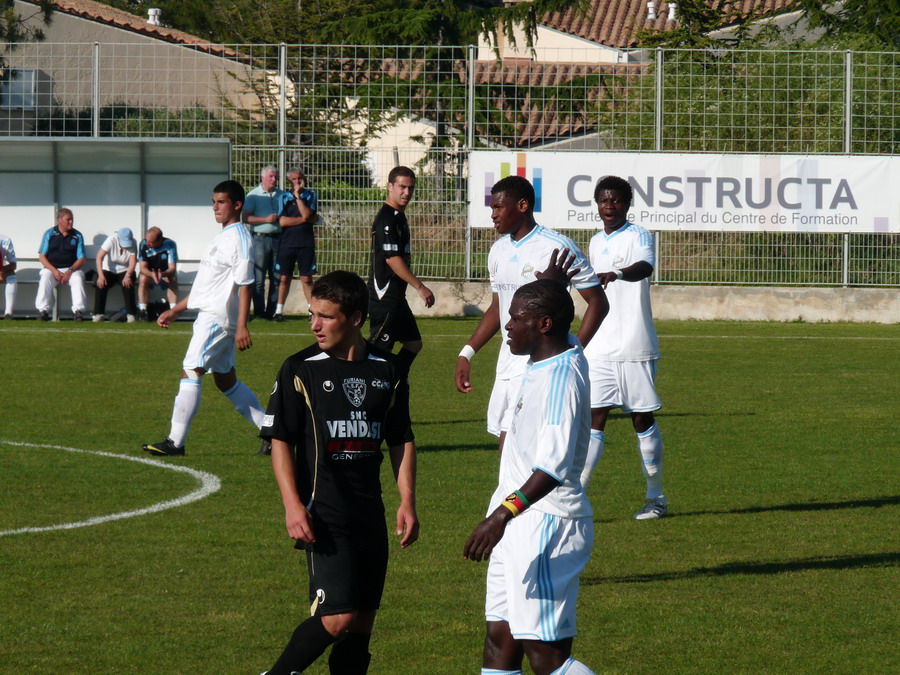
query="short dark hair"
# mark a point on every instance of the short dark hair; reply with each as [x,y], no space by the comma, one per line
[516,188]
[545,297]
[398,171]
[345,289]
[614,183]
[233,189]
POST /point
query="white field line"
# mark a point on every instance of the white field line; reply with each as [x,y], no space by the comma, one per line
[208,485]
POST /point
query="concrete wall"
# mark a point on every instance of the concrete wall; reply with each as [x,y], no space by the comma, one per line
[693,302]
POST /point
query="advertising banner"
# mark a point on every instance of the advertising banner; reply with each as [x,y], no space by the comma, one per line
[703,192]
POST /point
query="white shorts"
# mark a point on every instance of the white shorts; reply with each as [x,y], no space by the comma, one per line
[533,573]
[502,396]
[629,385]
[212,347]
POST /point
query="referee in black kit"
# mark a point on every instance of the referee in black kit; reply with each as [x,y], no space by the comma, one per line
[332,406]
[391,318]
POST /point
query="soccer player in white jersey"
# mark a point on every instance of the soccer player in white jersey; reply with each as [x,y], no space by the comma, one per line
[518,257]
[624,352]
[222,291]
[8,274]
[539,530]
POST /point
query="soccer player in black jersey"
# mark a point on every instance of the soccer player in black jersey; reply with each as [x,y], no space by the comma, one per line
[390,317]
[332,406]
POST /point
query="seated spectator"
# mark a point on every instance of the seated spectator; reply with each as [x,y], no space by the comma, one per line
[116,261]
[8,273]
[157,257]
[62,255]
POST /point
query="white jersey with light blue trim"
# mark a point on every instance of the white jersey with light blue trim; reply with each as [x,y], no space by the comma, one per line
[549,430]
[7,250]
[226,264]
[512,264]
[627,333]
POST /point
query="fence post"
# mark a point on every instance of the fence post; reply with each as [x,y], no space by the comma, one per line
[470,143]
[282,107]
[95,91]
[658,122]
[845,267]
[848,101]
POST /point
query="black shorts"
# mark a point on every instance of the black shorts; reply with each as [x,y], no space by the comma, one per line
[303,256]
[390,323]
[347,566]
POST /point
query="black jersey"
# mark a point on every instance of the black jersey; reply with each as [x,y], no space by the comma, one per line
[335,414]
[390,237]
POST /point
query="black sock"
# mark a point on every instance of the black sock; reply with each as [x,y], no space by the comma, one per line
[307,643]
[350,655]
[404,361]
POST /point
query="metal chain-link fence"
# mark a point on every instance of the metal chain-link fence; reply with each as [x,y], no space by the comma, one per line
[347,114]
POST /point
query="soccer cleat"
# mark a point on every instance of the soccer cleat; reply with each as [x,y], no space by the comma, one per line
[130,318]
[77,316]
[97,318]
[278,318]
[265,448]
[142,315]
[653,509]
[164,448]
[44,315]
[8,317]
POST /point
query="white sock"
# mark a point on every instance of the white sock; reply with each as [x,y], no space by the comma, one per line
[187,403]
[650,446]
[11,287]
[594,453]
[573,667]
[246,403]
[142,305]
[279,308]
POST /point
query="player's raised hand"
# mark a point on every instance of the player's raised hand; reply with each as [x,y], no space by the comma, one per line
[560,267]
[407,525]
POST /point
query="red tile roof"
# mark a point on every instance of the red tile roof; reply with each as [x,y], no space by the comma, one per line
[616,23]
[96,11]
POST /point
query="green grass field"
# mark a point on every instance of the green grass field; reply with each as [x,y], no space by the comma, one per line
[780,555]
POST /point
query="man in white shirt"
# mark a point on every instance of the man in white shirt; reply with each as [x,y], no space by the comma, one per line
[8,274]
[116,261]
[523,250]
[221,293]
[624,352]
[539,530]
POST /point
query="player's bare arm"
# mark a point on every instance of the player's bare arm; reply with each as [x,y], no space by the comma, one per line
[242,334]
[128,281]
[490,531]
[560,267]
[401,269]
[597,309]
[403,462]
[636,272]
[484,331]
[296,517]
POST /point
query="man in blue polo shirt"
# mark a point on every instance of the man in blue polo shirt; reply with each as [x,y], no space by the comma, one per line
[261,211]
[62,255]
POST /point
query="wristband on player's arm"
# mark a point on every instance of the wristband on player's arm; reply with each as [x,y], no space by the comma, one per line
[467,352]
[619,274]
[516,503]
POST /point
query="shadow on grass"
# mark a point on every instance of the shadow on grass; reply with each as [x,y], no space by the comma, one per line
[874,502]
[754,567]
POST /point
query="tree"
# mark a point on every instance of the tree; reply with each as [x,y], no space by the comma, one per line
[853,19]
[15,28]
